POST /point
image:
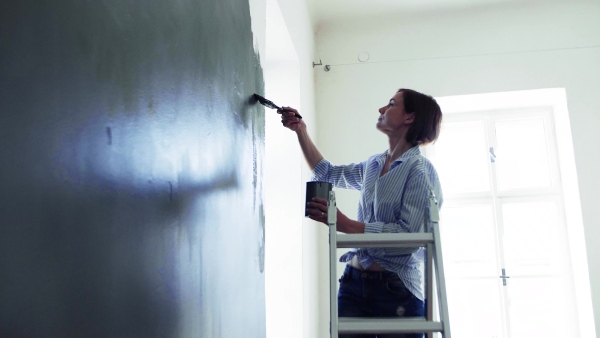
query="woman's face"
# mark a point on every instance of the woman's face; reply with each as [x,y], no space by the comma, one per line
[392,116]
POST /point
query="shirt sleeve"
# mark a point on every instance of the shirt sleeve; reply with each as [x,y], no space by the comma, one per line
[342,176]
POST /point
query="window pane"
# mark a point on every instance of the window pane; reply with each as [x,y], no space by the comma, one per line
[522,154]
[468,241]
[470,266]
[475,308]
[531,238]
[540,295]
[539,307]
[462,157]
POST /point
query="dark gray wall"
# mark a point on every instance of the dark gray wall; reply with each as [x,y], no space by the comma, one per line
[130,170]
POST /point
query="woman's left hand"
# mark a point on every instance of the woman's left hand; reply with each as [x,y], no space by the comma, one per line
[317,211]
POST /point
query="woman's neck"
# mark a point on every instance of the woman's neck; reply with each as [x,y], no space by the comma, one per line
[397,148]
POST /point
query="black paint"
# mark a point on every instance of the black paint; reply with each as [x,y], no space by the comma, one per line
[130,170]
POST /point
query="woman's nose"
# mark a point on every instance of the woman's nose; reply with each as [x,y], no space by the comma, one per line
[381,110]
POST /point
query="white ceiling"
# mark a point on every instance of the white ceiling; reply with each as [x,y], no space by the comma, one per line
[323,11]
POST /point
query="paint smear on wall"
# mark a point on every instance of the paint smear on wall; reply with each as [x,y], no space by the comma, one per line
[131,170]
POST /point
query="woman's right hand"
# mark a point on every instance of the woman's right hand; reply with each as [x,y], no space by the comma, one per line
[289,119]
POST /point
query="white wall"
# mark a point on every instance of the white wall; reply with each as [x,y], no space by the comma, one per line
[496,49]
[283,231]
[293,241]
[295,14]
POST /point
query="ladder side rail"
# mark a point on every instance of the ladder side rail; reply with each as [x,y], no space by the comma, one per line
[332,222]
[429,305]
[441,280]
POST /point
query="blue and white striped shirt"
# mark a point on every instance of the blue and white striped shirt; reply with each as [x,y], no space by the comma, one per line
[395,202]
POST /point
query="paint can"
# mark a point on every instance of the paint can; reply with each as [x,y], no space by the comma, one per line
[316,189]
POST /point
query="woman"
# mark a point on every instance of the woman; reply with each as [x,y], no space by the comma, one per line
[395,188]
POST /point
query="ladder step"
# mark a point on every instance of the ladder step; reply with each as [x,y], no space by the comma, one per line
[387,325]
[406,240]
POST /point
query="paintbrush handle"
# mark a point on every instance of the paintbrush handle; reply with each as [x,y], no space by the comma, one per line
[295,114]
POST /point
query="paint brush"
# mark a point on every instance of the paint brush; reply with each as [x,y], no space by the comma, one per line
[270,104]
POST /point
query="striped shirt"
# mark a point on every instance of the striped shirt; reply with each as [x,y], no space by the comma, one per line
[393,203]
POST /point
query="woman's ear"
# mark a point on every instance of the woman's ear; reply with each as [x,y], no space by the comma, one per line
[410,118]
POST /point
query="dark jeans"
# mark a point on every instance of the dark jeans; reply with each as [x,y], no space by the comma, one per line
[376,294]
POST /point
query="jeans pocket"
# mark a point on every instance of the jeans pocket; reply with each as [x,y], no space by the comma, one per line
[397,287]
[407,304]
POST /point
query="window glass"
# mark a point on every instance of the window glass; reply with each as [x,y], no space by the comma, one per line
[522,160]
[462,157]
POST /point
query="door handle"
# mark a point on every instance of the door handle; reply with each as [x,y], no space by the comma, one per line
[504,277]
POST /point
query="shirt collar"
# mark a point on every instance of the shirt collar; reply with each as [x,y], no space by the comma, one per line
[408,154]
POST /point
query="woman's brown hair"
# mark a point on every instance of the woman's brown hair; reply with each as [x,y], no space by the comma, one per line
[428,117]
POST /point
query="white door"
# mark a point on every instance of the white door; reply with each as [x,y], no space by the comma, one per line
[503,228]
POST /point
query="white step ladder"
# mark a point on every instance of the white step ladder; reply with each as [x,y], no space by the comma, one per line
[430,240]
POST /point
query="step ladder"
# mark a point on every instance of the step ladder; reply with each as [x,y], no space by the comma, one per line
[429,240]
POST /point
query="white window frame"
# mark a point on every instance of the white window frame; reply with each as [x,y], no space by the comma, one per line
[555,100]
